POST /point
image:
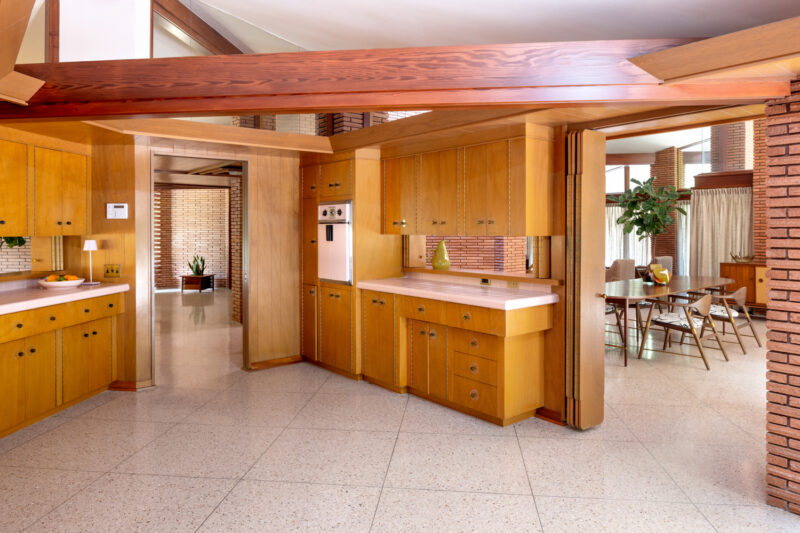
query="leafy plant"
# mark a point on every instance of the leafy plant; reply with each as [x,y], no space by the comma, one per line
[13,242]
[647,208]
[198,265]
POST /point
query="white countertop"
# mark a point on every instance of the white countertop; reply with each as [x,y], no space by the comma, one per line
[491,297]
[23,299]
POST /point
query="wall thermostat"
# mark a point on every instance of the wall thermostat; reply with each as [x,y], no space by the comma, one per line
[116,211]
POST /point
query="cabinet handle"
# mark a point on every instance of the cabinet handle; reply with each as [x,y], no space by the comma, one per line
[52,319]
[403,223]
[382,302]
[480,221]
[330,295]
[85,334]
[20,354]
[336,296]
[761,280]
[2,221]
[467,316]
[85,310]
[94,333]
[33,350]
[473,343]
[313,241]
[311,291]
[336,184]
[490,221]
[442,222]
[473,394]
[432,334]
[19,326]
[313,187]
[473,368]
[433,222]
[421,309]
[59,222]
[110,305]
[422,332]
[69,223]
[330,185]
[374,301]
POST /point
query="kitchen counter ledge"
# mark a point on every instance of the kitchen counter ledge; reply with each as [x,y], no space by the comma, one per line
[34,297]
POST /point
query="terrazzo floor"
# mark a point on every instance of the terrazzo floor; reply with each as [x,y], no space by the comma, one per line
[296,448]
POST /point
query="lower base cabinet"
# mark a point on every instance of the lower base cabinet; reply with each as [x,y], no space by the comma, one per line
[309,327]
[428,361]
[380,360]
[87,358]
[335,332]
[27,379]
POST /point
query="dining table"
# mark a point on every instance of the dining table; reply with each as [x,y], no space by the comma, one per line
[632,291]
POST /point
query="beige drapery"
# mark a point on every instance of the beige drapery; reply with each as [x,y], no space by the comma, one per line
[721,224]
[621,246]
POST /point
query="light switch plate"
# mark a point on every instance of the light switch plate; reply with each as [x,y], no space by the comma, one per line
[116,211]
[112,271]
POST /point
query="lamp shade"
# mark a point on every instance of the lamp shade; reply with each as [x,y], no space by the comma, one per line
[89,245]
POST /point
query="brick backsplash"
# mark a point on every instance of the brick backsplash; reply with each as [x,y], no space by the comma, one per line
[783,300]
[498,254]
[15,259]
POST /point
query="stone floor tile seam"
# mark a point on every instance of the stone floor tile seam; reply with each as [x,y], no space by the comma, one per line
[528,477]
[388,466]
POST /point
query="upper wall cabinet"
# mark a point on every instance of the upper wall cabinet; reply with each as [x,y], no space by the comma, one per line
[502,187]
[336,180]
[60,193]
[310,176]
[14,186]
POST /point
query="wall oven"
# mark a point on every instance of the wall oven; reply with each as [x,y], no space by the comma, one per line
[335,242]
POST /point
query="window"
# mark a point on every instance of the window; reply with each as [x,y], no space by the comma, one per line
[619,245]
[615,179]
[695,159]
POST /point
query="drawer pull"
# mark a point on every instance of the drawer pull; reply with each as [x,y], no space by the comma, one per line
[421,309]
[467,316]
[86,310]
[442,222]
[313,187]
[110,305]
[336,296]
[432,334]
[474,343]
[2,221]
[336,184]
[59,222]
[473,394]
[69,223]
[403,223]
[473,368]
[52,319]
[422,332]
[330,295]
[311,291]
[33,350]
[374,301]
[19,326]
[20,354]
[382,302]
[394,223]
[433,222]
[480,221]
[330,185]
[313,241]
[94,333]
[490,221]
[86,335]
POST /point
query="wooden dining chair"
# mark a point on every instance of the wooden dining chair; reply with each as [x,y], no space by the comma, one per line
[695,317]
[724,312]
[613,309]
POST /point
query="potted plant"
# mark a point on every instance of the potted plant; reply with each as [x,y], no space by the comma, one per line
[648,209]
[198,265]
[12,242]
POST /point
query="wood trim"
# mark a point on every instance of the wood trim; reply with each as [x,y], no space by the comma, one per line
[14,17]
[18,88]
[722,180]
[216,133]
[52,31]
[345,373]
[549,415]
[753,46]
[522,278]
[273,363]
[195,27]
[630,159]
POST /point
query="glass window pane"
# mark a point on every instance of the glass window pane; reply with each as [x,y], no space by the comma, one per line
[615,179]
[639,173]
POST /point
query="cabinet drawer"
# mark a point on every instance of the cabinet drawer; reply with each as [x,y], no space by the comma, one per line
[477,368]
[476,318]
[475,395]
[473,343]
[93,308]
[422,309]
[51,318]
[15,326]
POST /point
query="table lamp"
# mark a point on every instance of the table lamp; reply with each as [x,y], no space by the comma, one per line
[90,245]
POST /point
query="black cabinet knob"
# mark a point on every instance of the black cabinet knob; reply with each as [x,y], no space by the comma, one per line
[59,222]
[69,223]
[20,354]
[19,326]
[2,221]
[85,334]
[94,333]
[85,310]
[52,319]
[110,305]
[33,350]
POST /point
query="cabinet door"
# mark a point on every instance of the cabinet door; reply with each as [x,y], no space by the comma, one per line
[47,192]
[418,340]
[310,181]
[475,161]
[310,246]
[437,361]
[74,189]
[100,353]
[336,180]
[379,356]
[335,328]
[497,181]
[309,341]
[438,193]
[40,374]
[14,184]
[12,397]
[760,295]
[76,361]
[399,196]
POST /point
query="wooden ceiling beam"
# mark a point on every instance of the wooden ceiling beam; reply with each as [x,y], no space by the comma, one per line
[699,119]
[195,27]
[631,159]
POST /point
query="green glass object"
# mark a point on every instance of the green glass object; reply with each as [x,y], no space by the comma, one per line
[441,261]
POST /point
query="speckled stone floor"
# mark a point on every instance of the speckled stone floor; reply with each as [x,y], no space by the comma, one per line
[297,448]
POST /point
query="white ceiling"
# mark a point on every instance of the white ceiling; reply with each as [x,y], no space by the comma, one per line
[280,25]
[647,144]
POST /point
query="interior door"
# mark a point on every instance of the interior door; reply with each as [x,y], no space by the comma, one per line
[12,409]
[399,195]
[310,245]
[40,374]
[14,184]
[418,340]
[497,182]
[47,193]
[475,161]
[438,193]
[74,188]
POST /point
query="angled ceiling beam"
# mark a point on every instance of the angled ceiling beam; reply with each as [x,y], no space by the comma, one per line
[14,16]
[767,51]
[195,27]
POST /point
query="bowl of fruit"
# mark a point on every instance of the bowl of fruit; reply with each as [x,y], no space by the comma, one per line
[60,281]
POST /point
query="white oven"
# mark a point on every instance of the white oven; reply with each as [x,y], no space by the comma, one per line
[335,242]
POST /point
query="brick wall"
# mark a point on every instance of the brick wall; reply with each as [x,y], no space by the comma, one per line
[498,254]
[15,259]
[731,146]
[235,229]
[665,170]
[190,221]
[783,301]
[759,190]
[264,122]
[335,123]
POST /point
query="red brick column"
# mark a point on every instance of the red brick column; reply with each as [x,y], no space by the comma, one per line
[783,301]
[759,190]
[235,227]
[665,170]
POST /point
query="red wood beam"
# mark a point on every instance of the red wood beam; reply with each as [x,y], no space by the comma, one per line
[513,75]
[195,27]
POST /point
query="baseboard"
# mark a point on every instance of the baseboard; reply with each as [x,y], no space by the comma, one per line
[549,415]
[393,388]
[130,385]
[272,363]
[357,377]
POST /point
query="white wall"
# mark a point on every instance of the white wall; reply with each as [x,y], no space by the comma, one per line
[32,48]
[104,29]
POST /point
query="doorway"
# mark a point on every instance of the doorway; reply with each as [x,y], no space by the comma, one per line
[197,222]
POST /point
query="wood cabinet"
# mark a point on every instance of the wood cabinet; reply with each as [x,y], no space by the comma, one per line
[14,186]
[308,343]
[335,332]
[309,244]
[378,352]
[60,193]
[761,285]
[750,275]
[428,361]
[27,379]
[438,193]
[310,177]
[336,180]
[486,189]
[87,358]
[400,195]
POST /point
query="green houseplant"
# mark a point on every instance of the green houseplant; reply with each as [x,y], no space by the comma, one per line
[198,265]
[12,242]
[648,209]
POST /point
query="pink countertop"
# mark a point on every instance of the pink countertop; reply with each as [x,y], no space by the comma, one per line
[23,299]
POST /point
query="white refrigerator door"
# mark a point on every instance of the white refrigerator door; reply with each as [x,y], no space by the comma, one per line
[335,256]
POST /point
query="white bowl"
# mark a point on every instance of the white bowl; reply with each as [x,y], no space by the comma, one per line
[61,285]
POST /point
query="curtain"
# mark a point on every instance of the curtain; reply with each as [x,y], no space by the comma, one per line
[621,246]
[684,238]
[721,224]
